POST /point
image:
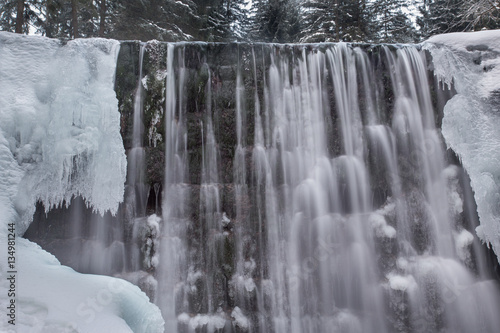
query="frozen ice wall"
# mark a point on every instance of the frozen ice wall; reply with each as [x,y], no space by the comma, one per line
[471,124]
[60,125]
[59,137]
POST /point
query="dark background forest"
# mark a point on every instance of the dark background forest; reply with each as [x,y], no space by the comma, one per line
[280,21]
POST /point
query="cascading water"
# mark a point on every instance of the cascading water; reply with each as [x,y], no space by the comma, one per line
[320,248]
[346,216]
[172,269]
[305,188]
[136,154]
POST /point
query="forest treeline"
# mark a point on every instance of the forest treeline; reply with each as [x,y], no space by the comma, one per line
[279,21]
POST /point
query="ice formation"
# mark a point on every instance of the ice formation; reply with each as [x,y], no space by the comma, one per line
[59,138]
[470,62]
[60,126]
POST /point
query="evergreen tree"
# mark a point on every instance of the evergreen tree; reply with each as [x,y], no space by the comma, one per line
[353,20]
[64,18]
[168,20]
[222,20]
[57,21]
[320,21]
[334,20]
[228,20]
[8,15]
[441,16]
[389,23]
[276,21]
[18,15]
[86,17]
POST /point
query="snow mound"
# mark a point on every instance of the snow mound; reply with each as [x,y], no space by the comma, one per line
[471,124]
[55,298]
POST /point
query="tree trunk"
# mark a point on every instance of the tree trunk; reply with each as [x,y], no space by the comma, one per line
[337,21]
[74,17]
[102,14]
[49,20]
[20,16]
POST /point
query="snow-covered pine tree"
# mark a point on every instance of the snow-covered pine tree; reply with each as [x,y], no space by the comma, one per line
[8,15]
[320,21]
[334,20]
[390,22]
[276,21]
[168,20]
[18,15]
[441,16]
[222,20]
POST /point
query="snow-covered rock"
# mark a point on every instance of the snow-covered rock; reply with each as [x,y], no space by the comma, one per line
[471,124]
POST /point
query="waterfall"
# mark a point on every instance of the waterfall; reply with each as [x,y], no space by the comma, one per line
[172,269]
[136,154]
[340,212]
[297,188]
